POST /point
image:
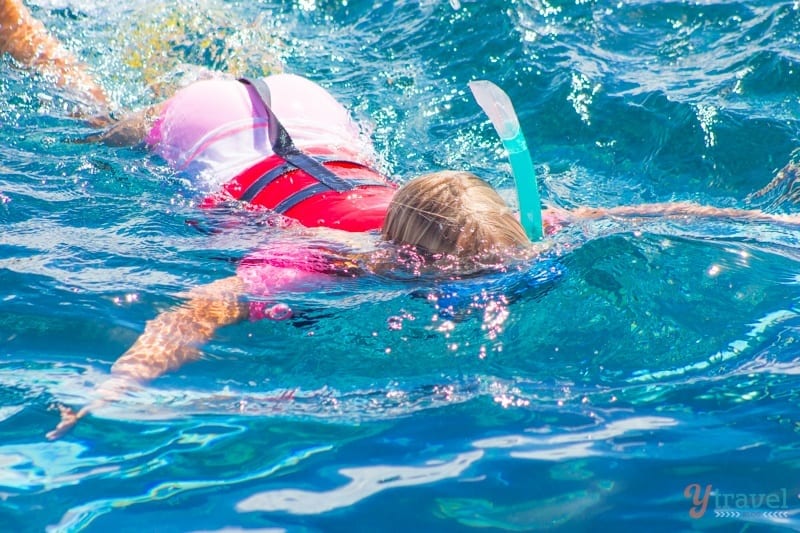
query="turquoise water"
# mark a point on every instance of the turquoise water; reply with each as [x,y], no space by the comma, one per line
[664,361]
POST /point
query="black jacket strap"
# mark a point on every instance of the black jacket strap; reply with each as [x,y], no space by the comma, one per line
[283,145]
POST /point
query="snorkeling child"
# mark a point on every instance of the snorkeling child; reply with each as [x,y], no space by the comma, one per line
[285,144]
[312,166]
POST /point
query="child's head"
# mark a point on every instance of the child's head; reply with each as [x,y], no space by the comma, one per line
[452,213]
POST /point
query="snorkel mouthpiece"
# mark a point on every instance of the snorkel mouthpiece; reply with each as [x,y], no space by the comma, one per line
[498,107]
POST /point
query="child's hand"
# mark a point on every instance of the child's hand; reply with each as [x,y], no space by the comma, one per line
[108,391]
[68,419]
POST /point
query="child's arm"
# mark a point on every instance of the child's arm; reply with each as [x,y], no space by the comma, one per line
[679,210]
[170,340]
[28,41]
[174,337]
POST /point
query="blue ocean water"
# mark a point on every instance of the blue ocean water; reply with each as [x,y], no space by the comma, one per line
[653,387]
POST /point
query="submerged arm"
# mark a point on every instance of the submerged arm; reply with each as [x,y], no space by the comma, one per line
[170,340]
[27,40]
[174,337]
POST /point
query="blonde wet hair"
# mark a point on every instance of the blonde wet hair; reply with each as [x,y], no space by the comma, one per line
[452,213]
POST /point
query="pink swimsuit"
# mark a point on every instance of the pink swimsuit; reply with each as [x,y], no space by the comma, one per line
[212,130]
[282,268]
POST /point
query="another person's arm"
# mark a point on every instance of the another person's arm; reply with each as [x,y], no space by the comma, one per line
[27,40]
[130,130]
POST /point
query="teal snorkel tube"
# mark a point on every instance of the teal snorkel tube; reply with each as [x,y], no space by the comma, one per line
[497,106]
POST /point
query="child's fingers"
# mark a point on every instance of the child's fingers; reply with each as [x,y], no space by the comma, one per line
[68,420]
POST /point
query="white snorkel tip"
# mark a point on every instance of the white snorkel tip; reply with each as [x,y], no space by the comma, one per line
[498,107]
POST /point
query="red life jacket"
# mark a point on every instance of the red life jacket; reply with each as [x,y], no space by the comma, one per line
[315,191]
